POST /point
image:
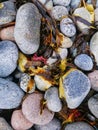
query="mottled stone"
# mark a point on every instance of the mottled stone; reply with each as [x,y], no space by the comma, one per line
[84,62]
[52,99]
[32,110]
[53,125]
[77,86]
[19,122]
[62,2]
[27,28]
[93,105]
[67,27]
[8,58]
[10,94]
[7,12]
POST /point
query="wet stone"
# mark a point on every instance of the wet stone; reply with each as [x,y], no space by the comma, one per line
[63,2]
[8,58]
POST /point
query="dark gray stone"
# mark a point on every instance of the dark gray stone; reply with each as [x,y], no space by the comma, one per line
[27,28]
[8,58]
[10,94]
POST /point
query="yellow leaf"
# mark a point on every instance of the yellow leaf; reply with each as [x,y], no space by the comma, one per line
[61,89]
[63,64]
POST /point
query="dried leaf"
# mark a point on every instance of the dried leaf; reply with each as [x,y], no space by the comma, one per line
[63,64]
[61,89]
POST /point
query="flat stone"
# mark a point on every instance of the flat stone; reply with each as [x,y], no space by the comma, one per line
[7,34]
[52,99]
[27,28]
[77,86]
[59,11]
[31,110]
[10,94]
[7,12]
[8,58]
[93,105]
[4,125]
[53,125]
[19,122]
[63,2]
[79,126]
[67,27]
[84,62]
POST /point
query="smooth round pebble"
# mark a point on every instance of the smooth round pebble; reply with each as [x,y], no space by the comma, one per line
[31,110]
[10,94]
[77,86]
[59,12]
[93,105]
[19,122]
[52,99]
[79,126]
[7,12]
[62,52]
[67,27]
[62,2]
[52,125]
[84,62]
[8,58]
[48,4]
[27,28]
[7,34]
[93,76]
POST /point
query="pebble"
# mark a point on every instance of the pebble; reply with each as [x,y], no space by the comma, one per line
[67,27]
[19,122]
[75,3]
[4,125]
[7,34]
[94,46]
[79,126]
[48,4]
[58,12]
[8,58]
[7,12]
[52,59]
[31,109]
[27,26]
[83,13]
[77,86]
[62,52]
[10,94]
[62,2]
[93,105]
[53,125]
[96,17]
[84,62]
[93,76]
[26,83]
[52,99]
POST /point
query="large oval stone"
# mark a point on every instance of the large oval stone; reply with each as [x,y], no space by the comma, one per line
[27,28]
[10,94]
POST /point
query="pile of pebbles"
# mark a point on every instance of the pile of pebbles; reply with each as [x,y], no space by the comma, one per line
[29,97]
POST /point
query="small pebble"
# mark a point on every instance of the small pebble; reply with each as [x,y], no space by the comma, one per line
[7,12]
[93,105]
[10,94]
[52,99]
[53,125]
[8,58]
[84,62]
[48,4]
[79,126]
[77,86]
[62,2]
[67,27]
[32,110]
[75,3]
[58,12]
[19,122]
[62,52]
[7,34]
[52,59]
[26,83]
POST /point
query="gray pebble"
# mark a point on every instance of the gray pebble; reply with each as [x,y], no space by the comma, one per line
[62,2]
[96,17]
[75,3]
[67,27]
[27,28]
[59,11]
[79,126]
[93,105]
[10,94]
[53,125]
[8,58]
[77,86]
[52,98]
[7,12]
[84,62]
